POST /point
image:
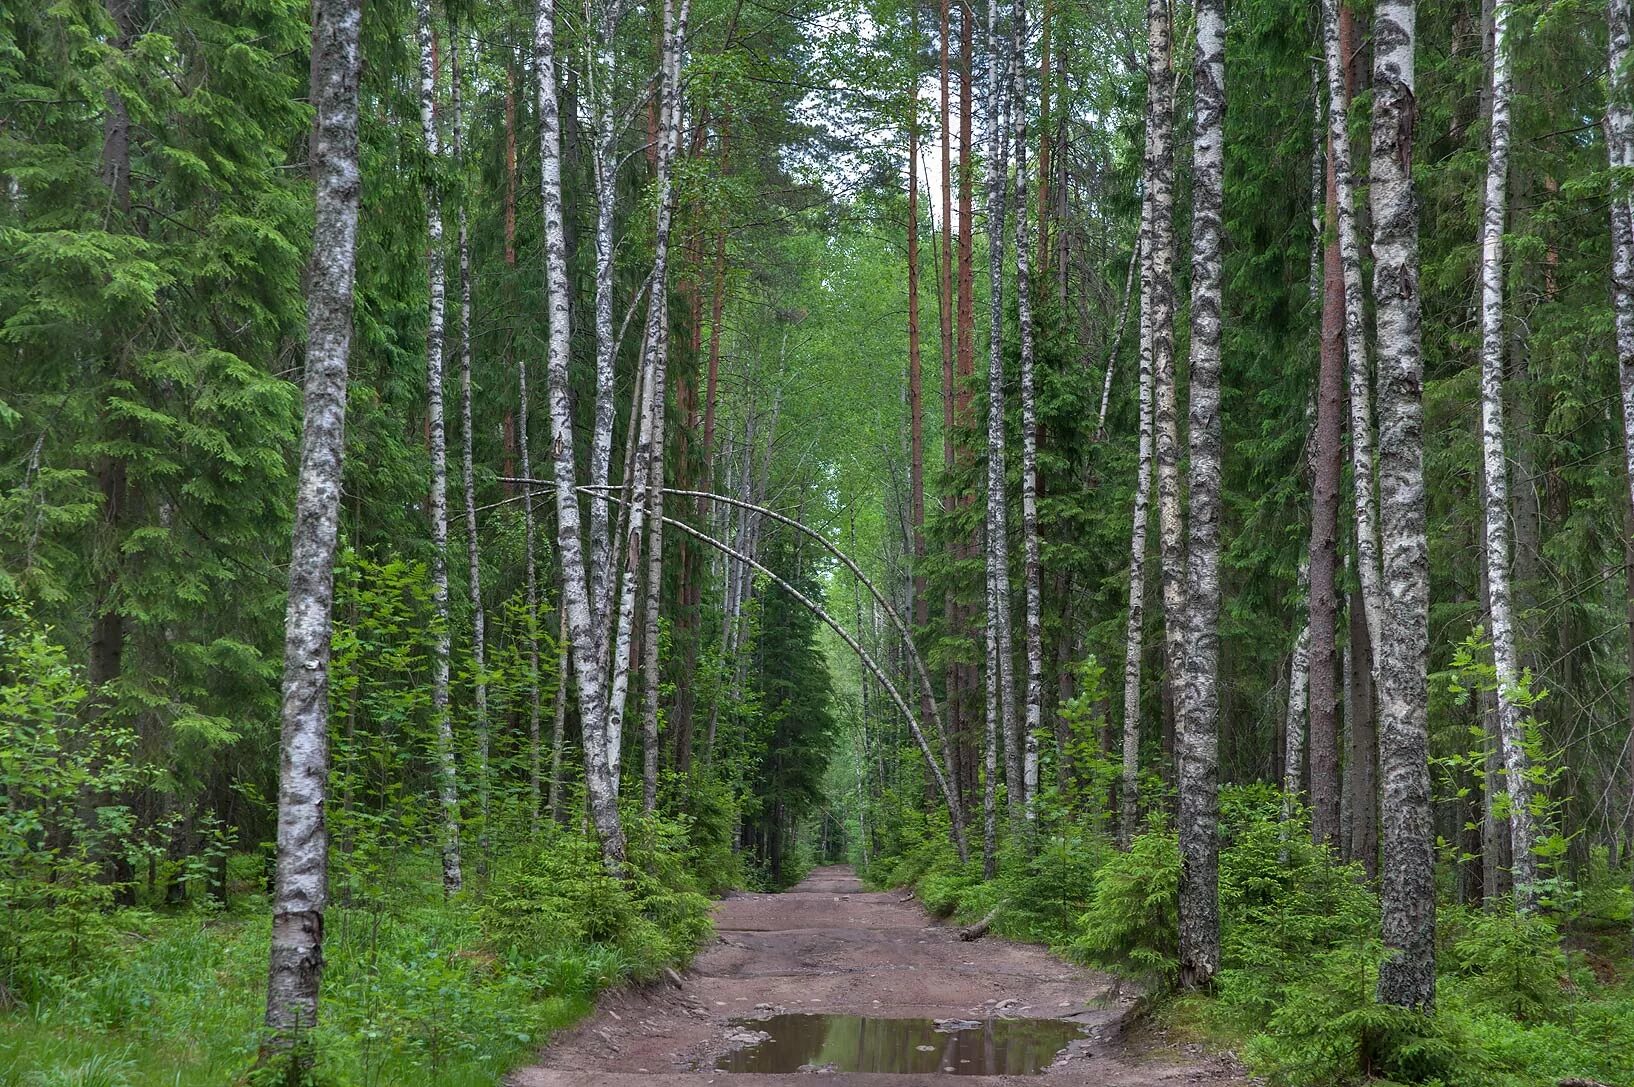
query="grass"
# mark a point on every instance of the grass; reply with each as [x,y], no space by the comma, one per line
[425,993]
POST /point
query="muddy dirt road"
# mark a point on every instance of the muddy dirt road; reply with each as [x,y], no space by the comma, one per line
[828,948]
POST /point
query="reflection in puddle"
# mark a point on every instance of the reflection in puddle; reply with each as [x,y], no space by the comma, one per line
[856,1043]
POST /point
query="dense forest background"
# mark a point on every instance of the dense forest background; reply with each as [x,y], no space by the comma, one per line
[791,222]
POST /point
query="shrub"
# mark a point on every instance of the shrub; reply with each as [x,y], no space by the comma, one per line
[1132,924]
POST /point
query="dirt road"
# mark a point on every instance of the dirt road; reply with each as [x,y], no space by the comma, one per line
[827,946]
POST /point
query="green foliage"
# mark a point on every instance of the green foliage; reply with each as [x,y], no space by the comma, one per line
[1507,962]
[1132,922]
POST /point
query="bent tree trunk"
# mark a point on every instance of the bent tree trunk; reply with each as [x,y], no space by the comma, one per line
[300,887]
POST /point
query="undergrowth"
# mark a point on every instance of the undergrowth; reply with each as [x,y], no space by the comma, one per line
[1517,1004]
[416,990]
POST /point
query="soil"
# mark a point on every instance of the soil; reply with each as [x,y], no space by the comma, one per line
[828,946]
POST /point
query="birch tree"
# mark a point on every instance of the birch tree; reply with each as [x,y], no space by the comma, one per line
[1407,894]
[437,439]
[1033,720]
[1620,151]
[1200,718]
[473,555]
[301,881]
[1511,730]
[1160,176]
[575,595]
[999,644]
[1156,342]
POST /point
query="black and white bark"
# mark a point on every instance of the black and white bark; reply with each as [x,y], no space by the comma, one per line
[473,554]
[1407,895]
[1198,741]
[437,434]
[300,884]
[1362,439]
[1134,647]
[575,595]
[659,341]
[1033,718]
[1511,729]
[1160,177]
[1620,151]
[1117,339]
[999,642]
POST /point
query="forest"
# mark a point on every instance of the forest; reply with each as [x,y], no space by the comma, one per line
[485,484]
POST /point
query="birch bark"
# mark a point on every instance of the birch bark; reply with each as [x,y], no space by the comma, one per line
[448,782]
[1033,719]
[575,597]
[1000,646]
[1620,144]
[1337,49]
[1407,976]
[1133,633]
[473,555]
[300,885]
[1200,723]
[1160,177]
[1495,470]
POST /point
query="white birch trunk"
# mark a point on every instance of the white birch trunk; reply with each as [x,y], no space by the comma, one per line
[1133,634]
[479,620]
[1160,175]
[1199,732]
[655,540]
[1620,145]
[646,496]
[448,780]
[575,598]
[1407,977]
[1355,314]
[1000,644]
[1033,720]
[1117,340]
[300,885]
[1511,730]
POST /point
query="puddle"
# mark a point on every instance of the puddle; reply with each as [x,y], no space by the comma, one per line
[857,1043]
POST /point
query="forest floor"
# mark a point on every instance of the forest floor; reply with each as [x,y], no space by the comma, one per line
[827,946]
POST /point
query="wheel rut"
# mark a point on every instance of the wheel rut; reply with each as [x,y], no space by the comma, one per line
[872,962]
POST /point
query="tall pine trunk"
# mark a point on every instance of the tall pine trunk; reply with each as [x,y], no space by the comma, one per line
[447,774]
[1511,730]
[1407,897]
[301,882]
[1200,721]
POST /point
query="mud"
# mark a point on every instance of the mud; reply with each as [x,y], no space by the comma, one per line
[826,947]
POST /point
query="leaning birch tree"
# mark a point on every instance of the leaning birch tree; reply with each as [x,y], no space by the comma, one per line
[301,881]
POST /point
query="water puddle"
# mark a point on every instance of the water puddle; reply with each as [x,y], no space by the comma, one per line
[856,1043]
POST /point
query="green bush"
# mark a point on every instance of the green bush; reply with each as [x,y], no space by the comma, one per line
[1132,924]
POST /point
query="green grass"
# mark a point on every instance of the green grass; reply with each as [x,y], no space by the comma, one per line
[422,992]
